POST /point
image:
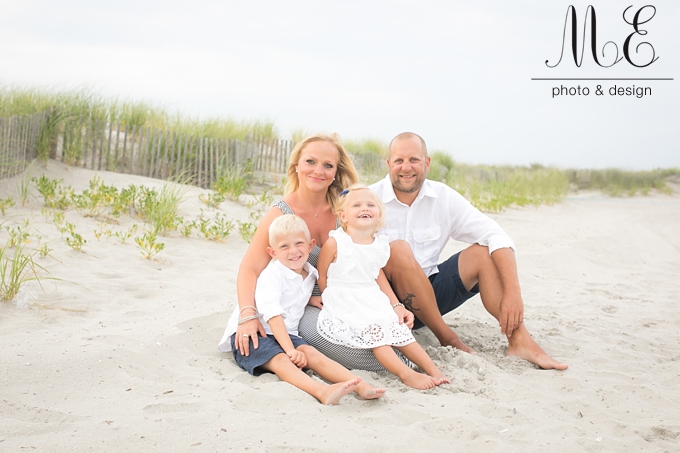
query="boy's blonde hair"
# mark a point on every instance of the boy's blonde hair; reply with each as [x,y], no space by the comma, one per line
[343,199]
[285,225]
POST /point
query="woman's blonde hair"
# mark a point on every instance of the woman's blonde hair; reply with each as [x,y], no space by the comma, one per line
[345,173]
[343,200]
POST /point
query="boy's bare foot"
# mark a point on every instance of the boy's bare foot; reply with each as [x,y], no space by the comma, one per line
[421,381]
[334,392]
[366,391]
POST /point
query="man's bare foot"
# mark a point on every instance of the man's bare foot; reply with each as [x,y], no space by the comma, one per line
[454,340]
[335,392]
[366,391]
[524,347]
[421,381]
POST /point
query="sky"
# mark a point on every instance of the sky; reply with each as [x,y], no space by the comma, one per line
[458,73]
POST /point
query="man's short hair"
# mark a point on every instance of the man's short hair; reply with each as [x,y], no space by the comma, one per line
[285,225]
[407,135]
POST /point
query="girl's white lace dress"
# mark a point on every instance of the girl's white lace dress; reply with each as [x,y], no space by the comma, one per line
[356,313]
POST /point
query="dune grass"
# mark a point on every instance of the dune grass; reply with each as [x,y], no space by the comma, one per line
[489,187]
[16,269]
[495,187]
[68,105]
[616,182]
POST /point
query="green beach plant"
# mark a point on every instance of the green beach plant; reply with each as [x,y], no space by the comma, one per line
[75,241]
[6,203]
[126,234]
[24,185]
[186,227]
[95,201]
[261,202]
[246,230]
[54,194]
[44,250]
[216,229]
[232,181]
[18,234]
[148,245]
[213,199]
[160,209]
[16,269]
[58,218]
[102,230]
[125,202]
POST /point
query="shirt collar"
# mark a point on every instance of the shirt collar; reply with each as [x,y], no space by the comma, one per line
[291,274]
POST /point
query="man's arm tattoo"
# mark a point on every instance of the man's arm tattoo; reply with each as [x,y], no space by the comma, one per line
[408,302]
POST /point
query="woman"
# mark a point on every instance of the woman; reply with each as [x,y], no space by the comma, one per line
[319,169]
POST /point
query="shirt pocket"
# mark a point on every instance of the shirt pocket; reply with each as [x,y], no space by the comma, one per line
[426,243]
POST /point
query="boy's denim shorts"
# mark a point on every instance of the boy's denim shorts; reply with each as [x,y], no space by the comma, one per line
[267,348]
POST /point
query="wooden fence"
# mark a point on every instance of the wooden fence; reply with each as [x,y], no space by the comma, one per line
[19,137]
[101,145]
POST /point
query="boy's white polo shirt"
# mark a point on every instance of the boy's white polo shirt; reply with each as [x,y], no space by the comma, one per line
[278,291]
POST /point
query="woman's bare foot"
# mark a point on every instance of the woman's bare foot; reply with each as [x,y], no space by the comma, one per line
[366,391]
[421,381]
[524,347]
[334,392]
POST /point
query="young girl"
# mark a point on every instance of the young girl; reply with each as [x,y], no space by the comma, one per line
[360,310]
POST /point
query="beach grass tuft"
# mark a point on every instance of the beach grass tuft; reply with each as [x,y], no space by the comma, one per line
[17,268]
[160,209]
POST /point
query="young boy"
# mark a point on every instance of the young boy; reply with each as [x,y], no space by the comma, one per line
[281,293]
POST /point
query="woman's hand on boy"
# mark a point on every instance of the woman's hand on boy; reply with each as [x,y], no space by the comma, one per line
[298,358]
[250,330]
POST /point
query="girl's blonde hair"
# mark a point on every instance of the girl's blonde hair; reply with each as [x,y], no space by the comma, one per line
[345,173]
[285,225]
[343,200]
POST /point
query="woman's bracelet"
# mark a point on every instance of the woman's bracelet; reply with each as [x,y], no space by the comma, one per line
[398,304]
[246,319]
[248,306]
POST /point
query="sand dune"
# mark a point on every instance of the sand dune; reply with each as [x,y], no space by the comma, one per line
[120,355]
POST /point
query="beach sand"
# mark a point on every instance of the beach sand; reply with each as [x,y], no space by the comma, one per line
[121,353]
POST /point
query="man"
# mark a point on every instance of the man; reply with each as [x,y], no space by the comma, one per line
[424,214]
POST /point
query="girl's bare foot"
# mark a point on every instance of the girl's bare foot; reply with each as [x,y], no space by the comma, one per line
[439,376]
[366,391]
[334,393]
